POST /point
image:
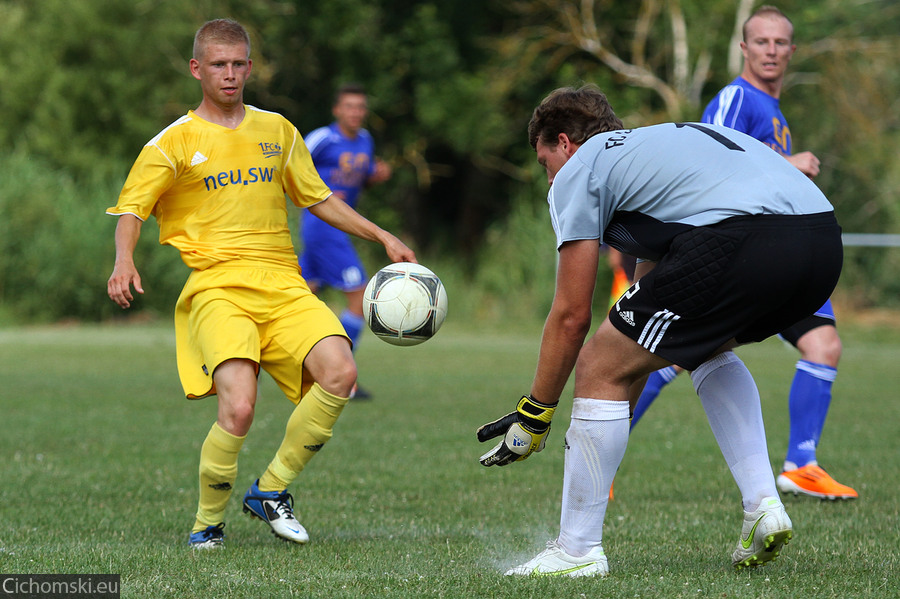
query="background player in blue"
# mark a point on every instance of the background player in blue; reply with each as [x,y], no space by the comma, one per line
[751,104]
[344,155]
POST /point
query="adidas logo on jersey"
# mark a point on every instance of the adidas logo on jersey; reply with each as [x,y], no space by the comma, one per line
[198,159]
[627,316]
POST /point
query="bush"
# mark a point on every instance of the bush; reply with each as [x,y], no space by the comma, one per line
[57,250]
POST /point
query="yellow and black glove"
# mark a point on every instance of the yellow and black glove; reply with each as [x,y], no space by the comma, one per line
[525,432]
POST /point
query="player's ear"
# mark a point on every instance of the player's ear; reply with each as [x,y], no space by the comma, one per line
[567,145]
[195,68]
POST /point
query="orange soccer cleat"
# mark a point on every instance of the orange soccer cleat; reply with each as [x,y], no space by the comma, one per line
[813,481]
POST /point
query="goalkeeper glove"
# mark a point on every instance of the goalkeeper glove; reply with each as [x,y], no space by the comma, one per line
[525,432]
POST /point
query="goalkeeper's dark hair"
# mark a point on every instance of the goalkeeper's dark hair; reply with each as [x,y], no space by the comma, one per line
[220,31]
[579,113]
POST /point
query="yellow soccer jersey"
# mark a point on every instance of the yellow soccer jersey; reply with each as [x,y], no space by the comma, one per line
[218,193]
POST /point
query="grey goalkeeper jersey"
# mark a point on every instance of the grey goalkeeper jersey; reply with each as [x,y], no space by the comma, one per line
[636,189]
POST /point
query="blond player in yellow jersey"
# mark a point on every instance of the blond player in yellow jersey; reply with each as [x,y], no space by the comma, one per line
[216,181]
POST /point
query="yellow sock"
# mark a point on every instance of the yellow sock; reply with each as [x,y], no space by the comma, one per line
[308,429]
[218,471]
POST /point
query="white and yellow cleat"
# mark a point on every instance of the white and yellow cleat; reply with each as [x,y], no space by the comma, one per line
[765,531]
[554,561]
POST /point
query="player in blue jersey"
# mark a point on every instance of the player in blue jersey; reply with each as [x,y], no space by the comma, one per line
[344,155]
[736,244]
[751,104]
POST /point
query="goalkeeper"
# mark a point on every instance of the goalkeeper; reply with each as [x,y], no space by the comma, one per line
[736,244]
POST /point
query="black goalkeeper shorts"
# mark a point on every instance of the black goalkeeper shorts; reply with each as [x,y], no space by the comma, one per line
[747,278]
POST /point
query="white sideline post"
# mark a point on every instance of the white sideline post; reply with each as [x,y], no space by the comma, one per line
[870,240]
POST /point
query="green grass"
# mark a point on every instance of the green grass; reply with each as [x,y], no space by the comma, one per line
[99,457]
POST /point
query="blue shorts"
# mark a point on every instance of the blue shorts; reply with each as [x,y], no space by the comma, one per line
[329,258]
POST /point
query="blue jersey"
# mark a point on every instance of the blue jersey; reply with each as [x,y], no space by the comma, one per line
[741,106]
[745,108]
[345,164]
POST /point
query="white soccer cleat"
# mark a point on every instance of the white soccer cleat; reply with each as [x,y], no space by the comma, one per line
[554,561]
[276,509]
[764,533]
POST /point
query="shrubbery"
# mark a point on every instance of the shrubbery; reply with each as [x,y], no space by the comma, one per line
[57,250]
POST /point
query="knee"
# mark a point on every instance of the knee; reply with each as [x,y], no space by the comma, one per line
[339,378]
[236,387]
[821,346]
[236,414]
[243,412]
[833,352]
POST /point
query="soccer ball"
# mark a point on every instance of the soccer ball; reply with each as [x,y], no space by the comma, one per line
[405,304]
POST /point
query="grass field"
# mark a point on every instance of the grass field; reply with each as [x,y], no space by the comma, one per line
[99,456]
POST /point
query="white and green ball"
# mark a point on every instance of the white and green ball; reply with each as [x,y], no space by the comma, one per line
[405,303]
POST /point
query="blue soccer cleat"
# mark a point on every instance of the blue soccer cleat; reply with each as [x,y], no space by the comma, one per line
[212,537]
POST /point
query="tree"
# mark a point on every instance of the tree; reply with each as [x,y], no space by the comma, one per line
[644,45]
[452,85]
[662,60]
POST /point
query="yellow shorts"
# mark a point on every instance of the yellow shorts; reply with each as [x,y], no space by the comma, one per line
[267,315]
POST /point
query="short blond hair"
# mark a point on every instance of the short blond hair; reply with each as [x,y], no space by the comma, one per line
[767,10]
[220,31]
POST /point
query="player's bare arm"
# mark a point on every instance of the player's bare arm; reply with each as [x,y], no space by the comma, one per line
[569,319]
[338,214]
[383,172]
[525,430]
[807,162]
[125,274]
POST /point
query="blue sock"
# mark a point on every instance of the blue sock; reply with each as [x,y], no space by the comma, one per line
[808,404]
[655,382]
[353,325]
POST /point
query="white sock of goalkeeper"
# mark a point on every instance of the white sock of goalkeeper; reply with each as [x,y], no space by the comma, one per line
[595,446]
[731,402]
